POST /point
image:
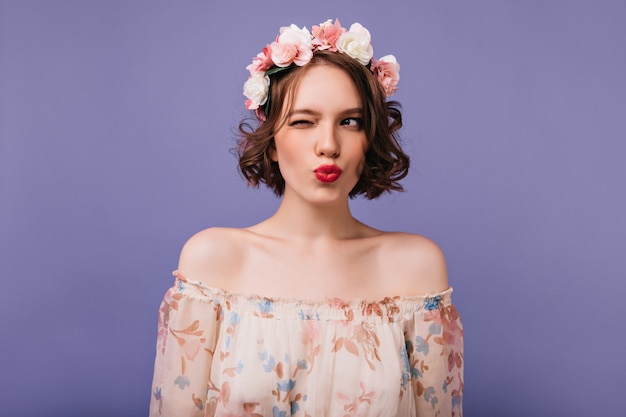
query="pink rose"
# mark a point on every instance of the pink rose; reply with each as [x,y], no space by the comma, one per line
[292,45]
[283,54]
[262,62]
[387,71]
[326,34]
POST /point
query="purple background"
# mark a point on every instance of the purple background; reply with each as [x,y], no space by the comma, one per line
[116,120]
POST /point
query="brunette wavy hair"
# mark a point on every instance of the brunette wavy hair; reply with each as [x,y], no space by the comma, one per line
[385,162]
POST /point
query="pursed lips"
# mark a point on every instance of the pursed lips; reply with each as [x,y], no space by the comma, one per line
[327,173]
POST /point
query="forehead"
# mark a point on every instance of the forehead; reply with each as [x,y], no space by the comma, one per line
[326,86]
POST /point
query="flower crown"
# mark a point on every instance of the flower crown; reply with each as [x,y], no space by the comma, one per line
[296,46]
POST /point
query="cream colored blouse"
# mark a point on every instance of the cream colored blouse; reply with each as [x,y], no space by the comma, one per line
[225,354]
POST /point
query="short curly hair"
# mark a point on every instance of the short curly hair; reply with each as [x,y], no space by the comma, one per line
[385,162]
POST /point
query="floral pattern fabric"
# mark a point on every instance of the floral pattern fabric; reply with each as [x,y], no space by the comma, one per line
[231,355]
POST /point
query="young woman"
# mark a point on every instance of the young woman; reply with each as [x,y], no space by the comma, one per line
[311,312]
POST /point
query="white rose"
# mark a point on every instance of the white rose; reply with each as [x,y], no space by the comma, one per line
[356,44]
[256,89]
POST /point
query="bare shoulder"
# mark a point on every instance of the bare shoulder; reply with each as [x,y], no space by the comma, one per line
[211,255]
[415,264]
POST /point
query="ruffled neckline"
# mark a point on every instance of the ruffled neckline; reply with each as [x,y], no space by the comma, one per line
[386,309]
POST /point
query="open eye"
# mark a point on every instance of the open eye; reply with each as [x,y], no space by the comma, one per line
[354,122]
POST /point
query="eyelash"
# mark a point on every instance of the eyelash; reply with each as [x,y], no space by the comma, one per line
[358,121]
[300,122]
[349,121]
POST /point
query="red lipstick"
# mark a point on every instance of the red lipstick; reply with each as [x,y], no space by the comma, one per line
[327,173]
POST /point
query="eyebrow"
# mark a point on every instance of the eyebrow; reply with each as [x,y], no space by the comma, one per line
[309,112]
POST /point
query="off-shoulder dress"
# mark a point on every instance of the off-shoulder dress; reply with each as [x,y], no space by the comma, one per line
[225,354]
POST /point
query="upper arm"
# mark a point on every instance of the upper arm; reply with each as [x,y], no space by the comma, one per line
[432,266]
[207,257]
[419,263]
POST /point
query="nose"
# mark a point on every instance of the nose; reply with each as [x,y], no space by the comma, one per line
[327,143]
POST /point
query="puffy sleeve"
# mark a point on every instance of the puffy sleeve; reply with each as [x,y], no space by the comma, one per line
[434,344]
[187,329]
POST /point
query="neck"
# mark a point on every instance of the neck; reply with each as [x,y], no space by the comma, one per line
[297,220]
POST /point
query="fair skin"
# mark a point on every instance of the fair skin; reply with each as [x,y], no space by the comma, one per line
[312,247]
